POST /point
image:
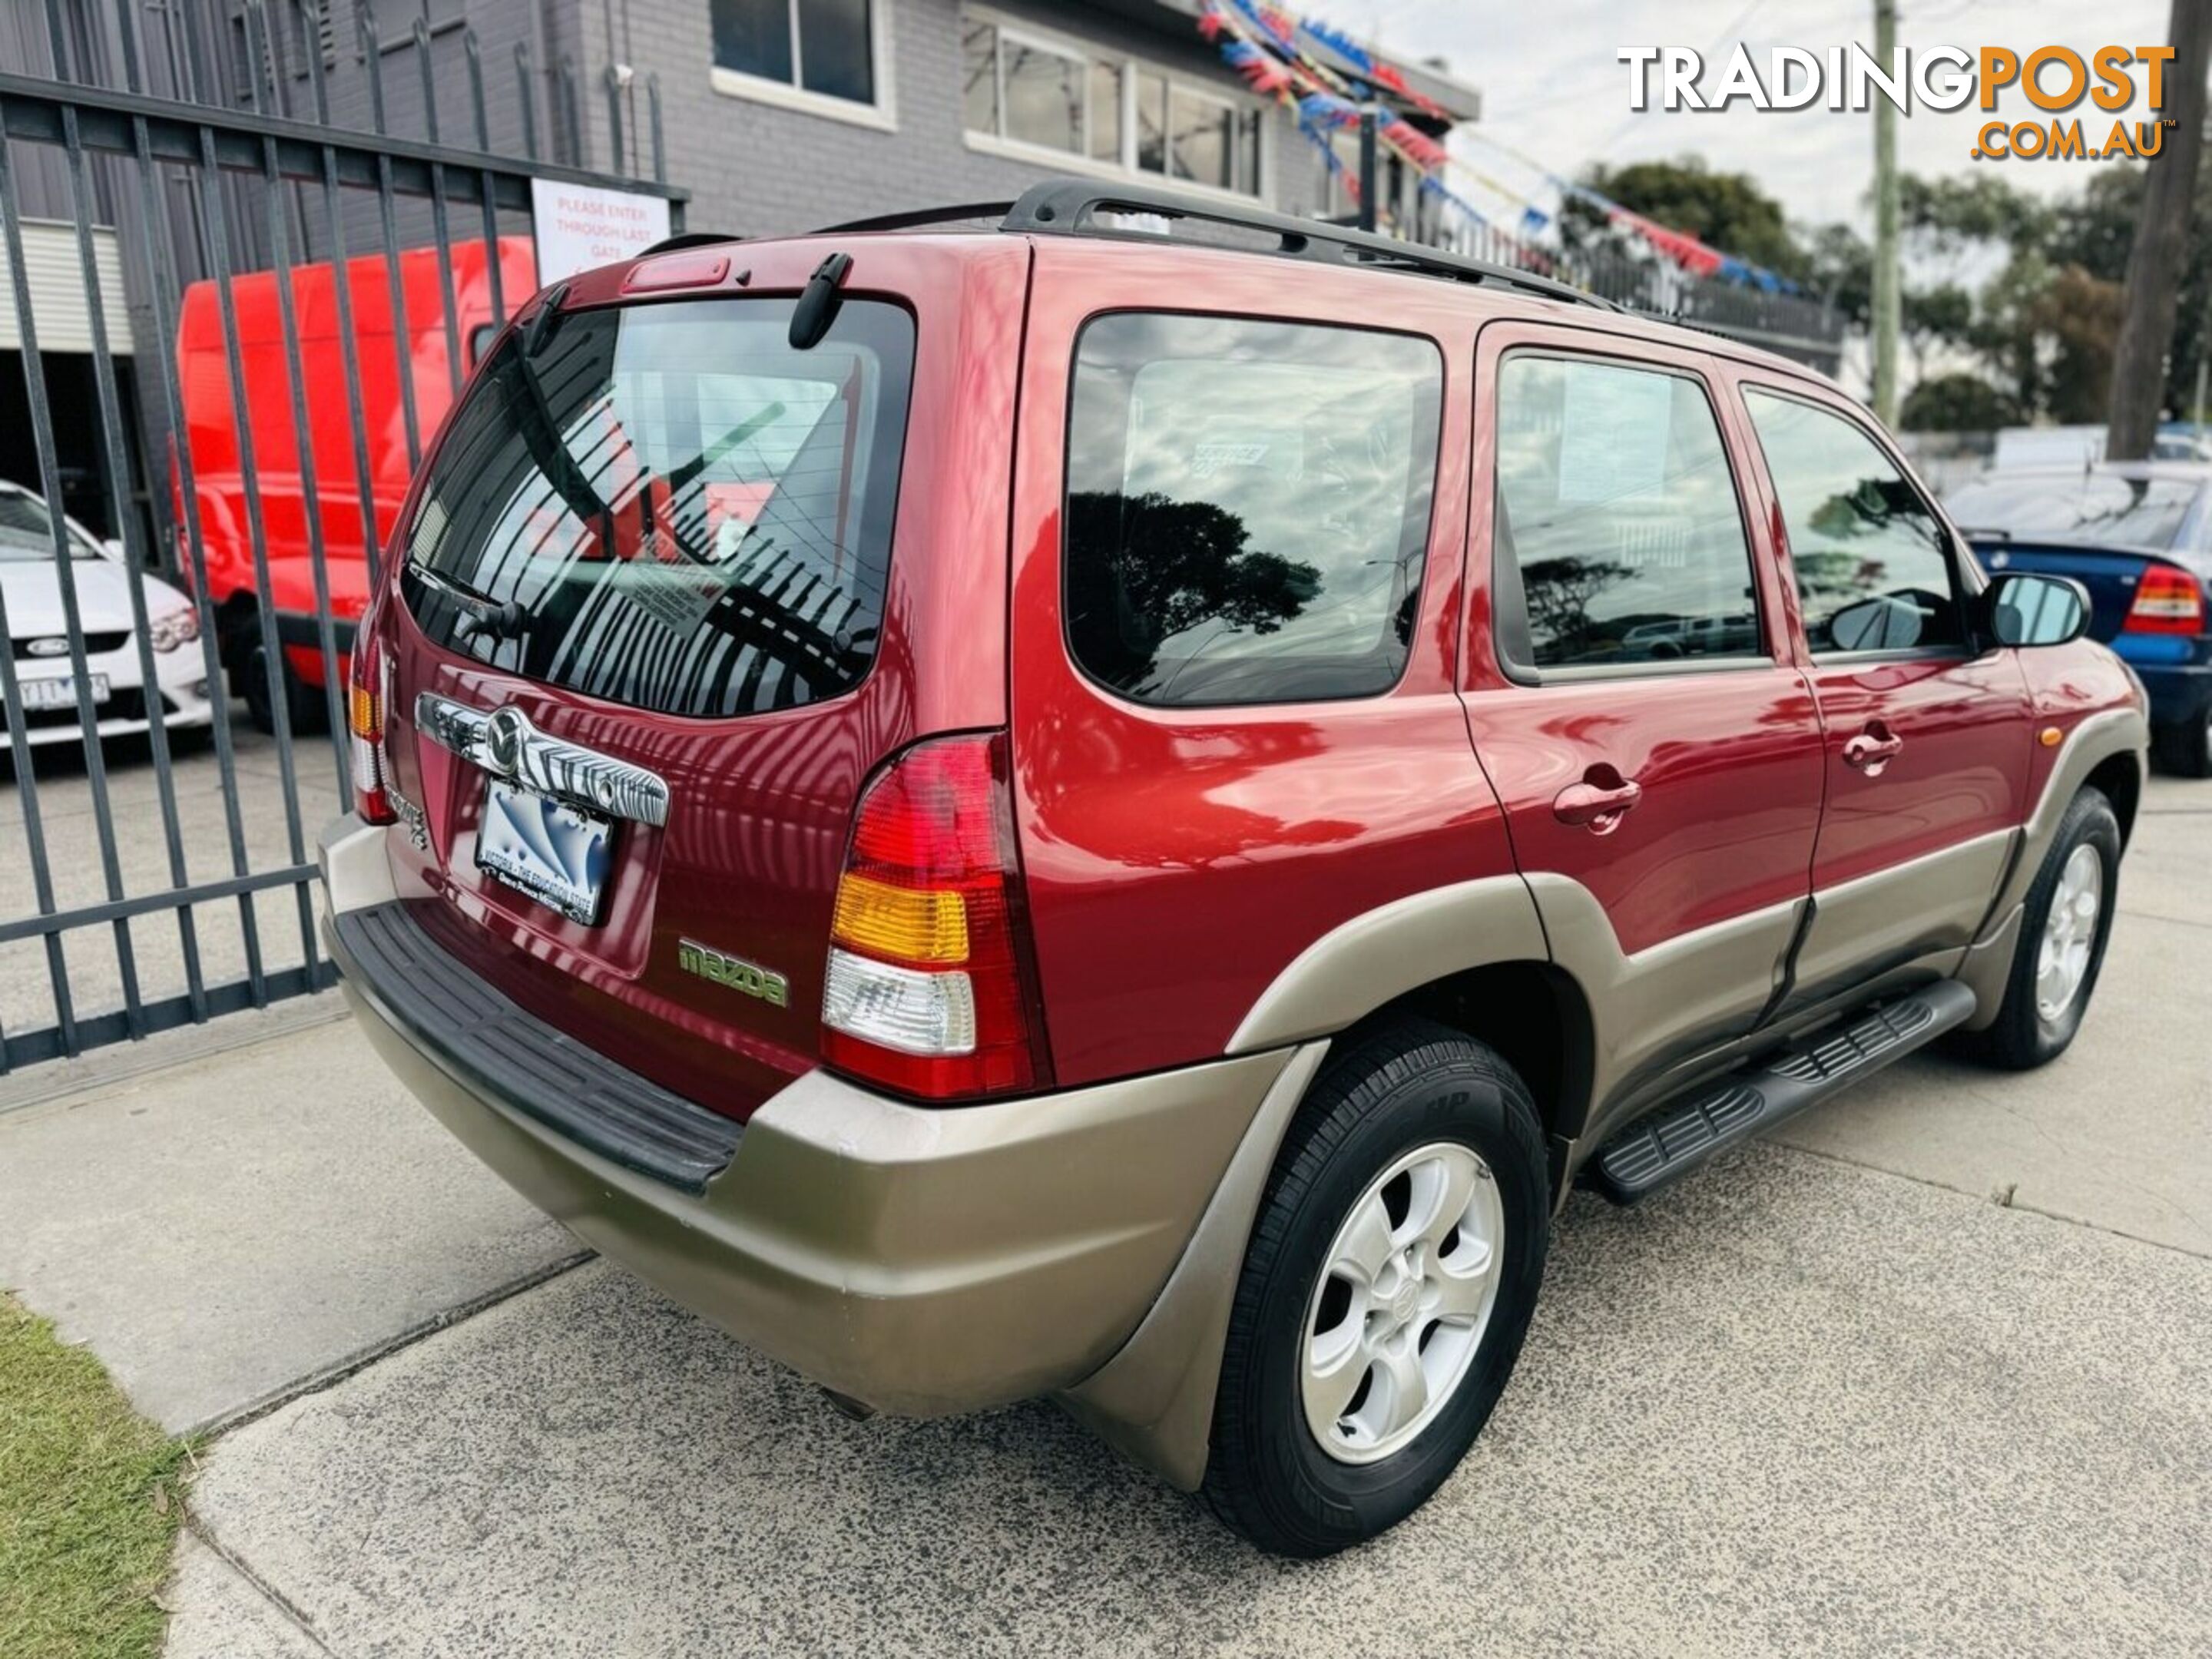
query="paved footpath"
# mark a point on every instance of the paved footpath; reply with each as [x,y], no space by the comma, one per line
[1931,1372]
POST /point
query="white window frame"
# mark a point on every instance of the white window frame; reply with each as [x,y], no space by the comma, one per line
[1053,47]
[1224,100]
[882,115]
[1082,161]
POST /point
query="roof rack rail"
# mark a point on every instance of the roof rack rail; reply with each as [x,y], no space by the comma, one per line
[916,217]
[1065,207]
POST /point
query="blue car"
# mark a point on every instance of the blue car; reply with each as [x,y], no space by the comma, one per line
[2138,536]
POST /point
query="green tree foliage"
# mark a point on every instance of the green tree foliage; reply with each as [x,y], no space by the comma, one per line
[1949,214]
[1727,209]
[1957,402]
[2026,287]
[1939,316]
[2096,230]
[1842,268]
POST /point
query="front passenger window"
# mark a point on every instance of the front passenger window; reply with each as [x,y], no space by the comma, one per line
[1873,566]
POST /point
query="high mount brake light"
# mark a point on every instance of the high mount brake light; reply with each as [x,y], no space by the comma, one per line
[365,720]
[929,990]
[2168,600]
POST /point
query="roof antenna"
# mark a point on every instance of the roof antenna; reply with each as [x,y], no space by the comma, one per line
[818,307]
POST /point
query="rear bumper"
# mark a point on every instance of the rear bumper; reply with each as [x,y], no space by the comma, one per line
[920,1260]
[2180,693]
[2176,671]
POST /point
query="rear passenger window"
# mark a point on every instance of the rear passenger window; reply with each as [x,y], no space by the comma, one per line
[1874,566]
[1618,509]
[1248,506]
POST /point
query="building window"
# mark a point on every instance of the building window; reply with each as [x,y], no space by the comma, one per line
[1046,94]
[1033,92]
[817,54]
[1106,112]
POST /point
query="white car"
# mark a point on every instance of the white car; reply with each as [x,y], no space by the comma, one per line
[39,636]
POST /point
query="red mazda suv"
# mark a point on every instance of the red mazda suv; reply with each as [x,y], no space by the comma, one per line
[1117,806]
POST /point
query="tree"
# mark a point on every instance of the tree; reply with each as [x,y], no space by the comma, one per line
[1943,315]
[2003,332]
[2096,230]
[1957,402]
[1727,210]
[1840,265]
[1945,216]
[2160,254]
[2080,316]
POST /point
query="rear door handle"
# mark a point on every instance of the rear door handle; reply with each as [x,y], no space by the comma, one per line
[1873,749]
[1597,807]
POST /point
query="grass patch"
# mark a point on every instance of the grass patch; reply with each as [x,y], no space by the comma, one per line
[89,1502]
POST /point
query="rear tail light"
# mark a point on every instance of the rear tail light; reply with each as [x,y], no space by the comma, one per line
[2168,600]
[365,720]
[930,989]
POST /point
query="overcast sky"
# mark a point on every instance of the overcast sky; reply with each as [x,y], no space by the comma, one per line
[1551,86]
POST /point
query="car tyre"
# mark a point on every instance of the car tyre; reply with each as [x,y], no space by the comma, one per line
[249,681]
[2065,922]
[2186,749]
[1406,1117]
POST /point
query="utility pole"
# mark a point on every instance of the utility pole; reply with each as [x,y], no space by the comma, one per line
[1888,302]
[2200,410]
[1370,185]
[2161,244]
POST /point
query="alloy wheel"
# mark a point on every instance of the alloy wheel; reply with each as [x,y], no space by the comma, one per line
[1404,1296]
[2069,932]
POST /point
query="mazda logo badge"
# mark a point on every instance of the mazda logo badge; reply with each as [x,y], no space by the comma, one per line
[504,735]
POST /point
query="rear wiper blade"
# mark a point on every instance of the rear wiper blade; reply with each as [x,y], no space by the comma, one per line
[503,619]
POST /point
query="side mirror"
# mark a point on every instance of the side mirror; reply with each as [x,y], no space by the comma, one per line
[112,548]
[2020,607]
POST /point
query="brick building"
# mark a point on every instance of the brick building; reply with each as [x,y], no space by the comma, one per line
[775,116]
[869,106]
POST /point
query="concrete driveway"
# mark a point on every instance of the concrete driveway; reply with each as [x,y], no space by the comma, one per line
[1930,1373]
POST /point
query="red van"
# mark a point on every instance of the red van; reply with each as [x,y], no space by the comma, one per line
[218,476]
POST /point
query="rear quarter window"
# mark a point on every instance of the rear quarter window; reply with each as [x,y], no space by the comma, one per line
[1248,506]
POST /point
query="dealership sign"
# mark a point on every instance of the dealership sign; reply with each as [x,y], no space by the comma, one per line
[2054,79]
[580,226]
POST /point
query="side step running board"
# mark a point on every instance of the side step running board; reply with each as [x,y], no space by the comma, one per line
[1682,1134]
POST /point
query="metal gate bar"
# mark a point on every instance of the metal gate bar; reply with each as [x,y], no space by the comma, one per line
[149,135]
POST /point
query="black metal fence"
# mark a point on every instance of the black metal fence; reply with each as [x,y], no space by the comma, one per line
[1804,327]
[164,876]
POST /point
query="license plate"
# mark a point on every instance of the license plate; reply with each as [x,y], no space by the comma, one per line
[543,847]
[59,694]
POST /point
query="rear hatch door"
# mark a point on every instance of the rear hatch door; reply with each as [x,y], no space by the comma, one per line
[650,638]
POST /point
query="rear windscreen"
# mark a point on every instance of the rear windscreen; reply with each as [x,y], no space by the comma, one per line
[671,507]
[2076,506]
